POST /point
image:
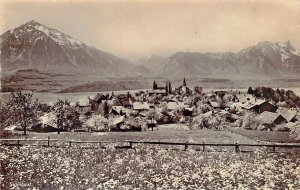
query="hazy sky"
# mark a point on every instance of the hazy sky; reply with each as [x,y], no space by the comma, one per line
[139,28]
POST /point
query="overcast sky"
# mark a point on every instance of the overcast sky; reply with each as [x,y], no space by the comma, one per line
[133,28]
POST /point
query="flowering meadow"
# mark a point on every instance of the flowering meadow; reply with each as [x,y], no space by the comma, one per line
[145,168]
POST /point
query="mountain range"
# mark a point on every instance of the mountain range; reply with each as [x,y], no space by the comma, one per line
[35,47]
[264,60]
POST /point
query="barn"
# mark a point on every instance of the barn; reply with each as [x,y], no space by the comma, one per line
[260,106]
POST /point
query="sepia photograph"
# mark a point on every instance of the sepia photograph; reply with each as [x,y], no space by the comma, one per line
[150,94]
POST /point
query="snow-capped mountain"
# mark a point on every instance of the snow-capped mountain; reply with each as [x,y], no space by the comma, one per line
[265,59]
[270,58]
[35,46]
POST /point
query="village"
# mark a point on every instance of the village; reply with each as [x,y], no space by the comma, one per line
[257,109]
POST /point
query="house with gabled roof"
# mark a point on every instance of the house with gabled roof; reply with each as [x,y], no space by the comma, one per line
[140,106]
[119,110]
[288,114]
[243,98]
[46,123]
[259,106]
[270,118]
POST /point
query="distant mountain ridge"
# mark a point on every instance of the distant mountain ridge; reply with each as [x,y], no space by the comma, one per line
[35,46]
[152,62]
[265,59]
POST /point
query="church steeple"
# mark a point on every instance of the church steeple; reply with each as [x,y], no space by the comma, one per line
[184,83]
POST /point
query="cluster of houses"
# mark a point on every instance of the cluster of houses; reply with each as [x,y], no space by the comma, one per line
[163,105]
[267,115]
[185,104]
[140,104]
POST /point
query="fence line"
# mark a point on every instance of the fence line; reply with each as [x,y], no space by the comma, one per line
[18,141]
[130,144]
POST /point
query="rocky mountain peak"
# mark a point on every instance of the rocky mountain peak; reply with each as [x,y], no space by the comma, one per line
[36,46]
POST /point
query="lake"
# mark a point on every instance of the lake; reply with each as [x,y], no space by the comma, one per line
[46,97]
[83,96]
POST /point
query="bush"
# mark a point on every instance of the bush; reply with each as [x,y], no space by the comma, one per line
[295,131]
[132,124]
[98,123]
[206,121]
[249,121]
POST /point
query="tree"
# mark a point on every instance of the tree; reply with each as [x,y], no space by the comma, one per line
[250,90]
[73,118]
[249,121]
[198,90]
[4,116]
[164,109]
[170,88]
[154,85]
[295,131]
[60,109]
[23,109]
[152,114]
[106,109]
[167,89]
[98,123]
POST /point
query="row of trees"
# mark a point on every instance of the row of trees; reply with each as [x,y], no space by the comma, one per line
[23,110]
[278,95]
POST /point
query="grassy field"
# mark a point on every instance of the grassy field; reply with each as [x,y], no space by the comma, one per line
[143,168]
[267,136]
[172,133]
[164,133]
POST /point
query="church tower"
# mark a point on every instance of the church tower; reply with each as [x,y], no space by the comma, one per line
[184,83]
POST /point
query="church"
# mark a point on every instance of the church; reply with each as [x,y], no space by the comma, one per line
[183,89]
[166,90]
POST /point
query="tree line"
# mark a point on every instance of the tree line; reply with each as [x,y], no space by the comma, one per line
[23,110]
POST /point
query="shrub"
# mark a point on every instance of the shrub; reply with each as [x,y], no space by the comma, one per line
[206,121]
[98,123]
[295,131]
[249,121]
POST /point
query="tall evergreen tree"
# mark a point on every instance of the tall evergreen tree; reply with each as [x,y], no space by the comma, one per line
[154,85]
[167,89]
[170,88]
[250,90]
